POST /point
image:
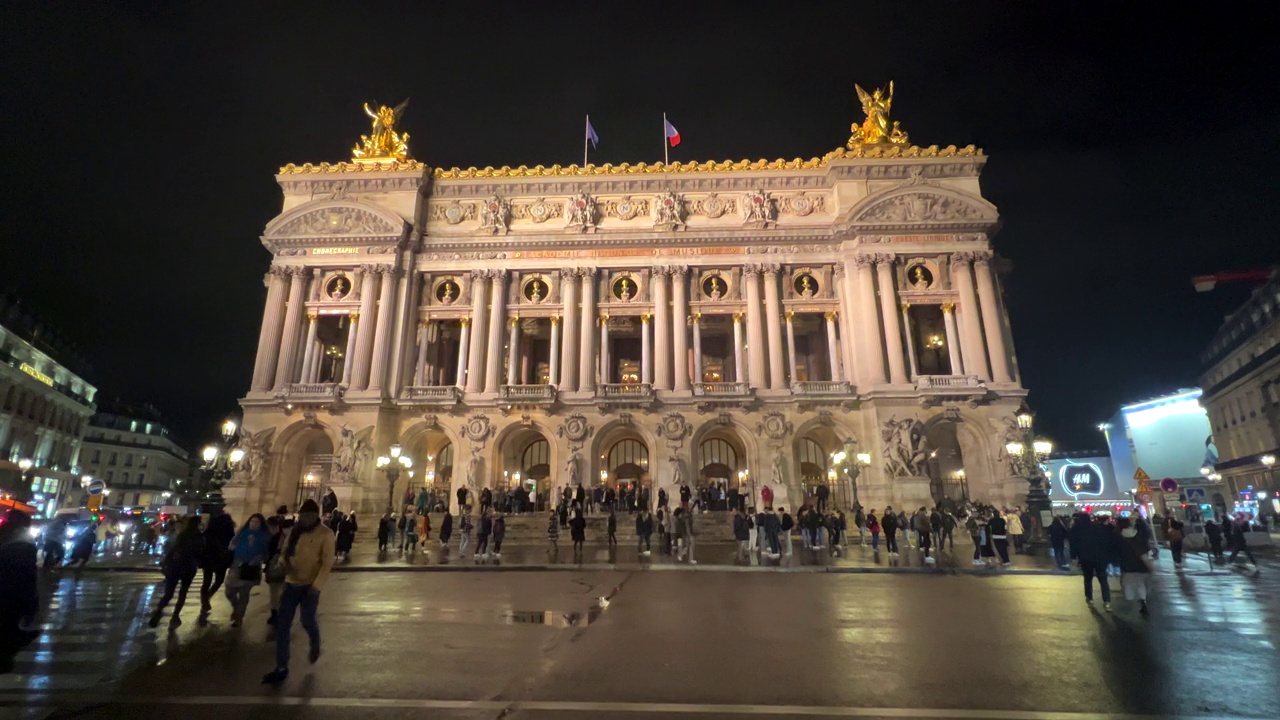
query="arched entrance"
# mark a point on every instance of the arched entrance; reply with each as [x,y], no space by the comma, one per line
[306,466]
[722,468]
[814,448]
[432,452]
[523,480]
[948,481]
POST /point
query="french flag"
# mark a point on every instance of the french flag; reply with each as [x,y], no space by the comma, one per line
[673,135]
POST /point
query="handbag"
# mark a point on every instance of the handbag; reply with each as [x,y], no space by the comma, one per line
[251,573]
[275,570]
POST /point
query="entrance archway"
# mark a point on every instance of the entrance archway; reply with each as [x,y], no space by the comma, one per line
[306,465]
[432,452]
[523,477]
[814,448]
[722,468]
[948,481]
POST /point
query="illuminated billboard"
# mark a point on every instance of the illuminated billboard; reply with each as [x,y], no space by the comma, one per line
[1085,480]
[1170,436]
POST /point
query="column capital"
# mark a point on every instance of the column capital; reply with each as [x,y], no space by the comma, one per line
[886,259]
[674,270]
[353,315]
[837,271]
[280,271]
[695,318]
[948,307]
[479,274]
[906,306]
[603,319]
[977,257]
[312,315]
[752,269]
[464,321]
[496,274]
[387,269]
[737,317]
[586,273]
[567,273]
[645,318]
[790,315]
[555,319]
[831,315]
[864,260]
[771,268]
[513,321]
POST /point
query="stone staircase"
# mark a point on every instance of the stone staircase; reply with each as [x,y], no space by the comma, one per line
[531,528]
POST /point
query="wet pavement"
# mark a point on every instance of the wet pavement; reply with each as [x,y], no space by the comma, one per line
[631,644]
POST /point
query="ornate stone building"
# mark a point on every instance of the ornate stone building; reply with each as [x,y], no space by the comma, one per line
[736,322]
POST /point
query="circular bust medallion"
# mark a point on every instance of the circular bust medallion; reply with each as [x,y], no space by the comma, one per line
[801,205]
[454,213]
[713,206]
[626,208]
[539,212]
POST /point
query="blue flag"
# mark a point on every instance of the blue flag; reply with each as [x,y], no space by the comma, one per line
[591,134]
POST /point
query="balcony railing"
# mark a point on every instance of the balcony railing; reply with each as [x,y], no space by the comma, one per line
[527,393]
[819,387]
[312,391]
[627,392]
[434,394]
[722,389]
[947,382]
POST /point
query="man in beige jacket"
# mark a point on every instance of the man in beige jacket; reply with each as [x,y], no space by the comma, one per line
[308,558]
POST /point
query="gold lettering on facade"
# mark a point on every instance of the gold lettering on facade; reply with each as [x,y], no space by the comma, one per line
[333,251]
[30,370]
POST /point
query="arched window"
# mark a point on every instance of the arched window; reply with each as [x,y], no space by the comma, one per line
[627,459]
[444,466]
[719,460]
[535,461]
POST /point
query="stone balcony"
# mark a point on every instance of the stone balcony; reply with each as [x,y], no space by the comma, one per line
[615,394]
[722,390]
[527,394]
[820,388]
[311,392]
[446,395]
[962,384]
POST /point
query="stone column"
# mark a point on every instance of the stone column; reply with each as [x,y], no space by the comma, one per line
[738,370]
[953,343]
[844,324]
[553,363]
[872,351]
[497,311]
[348,360]
[382,340]
[975,359]
[292,320]
[513,349]
[368,316]
[476,353]
[569,346]
[586,352]
[309,348]
[464,335]
[680,326]
[604,349]
[889,311]
[791,344]
[833,346]
[661,329]
[755,328]
[913,367]
[696,319]
[773,310]
[990,304]
[420,368]
[646,350]
[269,336]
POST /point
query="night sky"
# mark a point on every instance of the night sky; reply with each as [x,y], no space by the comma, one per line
[1128,152]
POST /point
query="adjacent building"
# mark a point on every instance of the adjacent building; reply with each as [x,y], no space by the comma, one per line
[130,449]
[735,323]
[45,405]
[1242,395]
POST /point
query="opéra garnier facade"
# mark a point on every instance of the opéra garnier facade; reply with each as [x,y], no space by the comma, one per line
[733,323]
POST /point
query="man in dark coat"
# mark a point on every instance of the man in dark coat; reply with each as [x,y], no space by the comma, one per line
[1090,547]
[20,599]
[215,558]
[329,503]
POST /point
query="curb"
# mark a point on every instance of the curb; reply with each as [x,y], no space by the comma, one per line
[606,567]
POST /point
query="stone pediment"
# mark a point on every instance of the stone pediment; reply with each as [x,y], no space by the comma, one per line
[921,206]
[327,219]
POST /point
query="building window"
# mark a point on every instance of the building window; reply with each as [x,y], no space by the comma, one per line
[124,478]
[97,457]
[110,475]
[142,462]
[128,459]
[111,460]
[133,426]
[142,478]
[51,486]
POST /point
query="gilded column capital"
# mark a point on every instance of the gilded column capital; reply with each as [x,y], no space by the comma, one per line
[695,318]
[737,317]
[513,321]
[831,315]
[948,307]
[906,306]
[603,319]
[645,318]
[790,315]
[353,315]
[464,321]
[312,315]
[555,319]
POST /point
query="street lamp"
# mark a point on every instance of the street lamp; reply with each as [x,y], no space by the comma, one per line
[1026,453]
[853,463]
[392,465]
[222,458]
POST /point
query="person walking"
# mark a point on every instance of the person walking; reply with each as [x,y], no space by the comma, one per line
[1175,535]
[308,560]
[1213,531]
[214,561]
[179,565]
[347,528]
[823,493]
[499,532]
[860,521]
[924,532]
[873,527]
[741,535]
[687,533]
[611,526]
[1014,525]
[1132,554]
[948,540]
[904,526]
[386,527]
[464,530]
[446,529]
[553,533]
[935,526]
[644,530]
[578,532]
[424,528]
[1090,548]
[890,525]
[999,528]
[19,578]
[250,549]
[785,524]
[482,535]
[772,527]
[1240,543]
[1058,539]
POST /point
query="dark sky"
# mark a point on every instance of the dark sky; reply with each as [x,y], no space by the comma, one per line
[1128,152]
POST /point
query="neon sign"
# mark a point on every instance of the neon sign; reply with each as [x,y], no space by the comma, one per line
[30,370]
[1081,479]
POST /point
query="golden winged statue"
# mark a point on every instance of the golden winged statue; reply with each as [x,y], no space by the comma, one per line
[876,128]
[383,144]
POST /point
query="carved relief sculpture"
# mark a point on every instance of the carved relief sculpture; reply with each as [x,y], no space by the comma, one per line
[580,213]
[668,212]
[758,209]
[495,213]
[906,451]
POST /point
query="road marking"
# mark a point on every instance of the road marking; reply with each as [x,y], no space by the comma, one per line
[44,699]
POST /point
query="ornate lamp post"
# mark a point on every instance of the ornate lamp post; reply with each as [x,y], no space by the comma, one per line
[1026,453]
[392,465]
[222,457]
[852,463]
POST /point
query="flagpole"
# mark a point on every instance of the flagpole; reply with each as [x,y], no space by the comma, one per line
[586,131]
[665,157]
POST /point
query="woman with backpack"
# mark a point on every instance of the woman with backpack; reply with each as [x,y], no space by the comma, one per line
[249,550]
